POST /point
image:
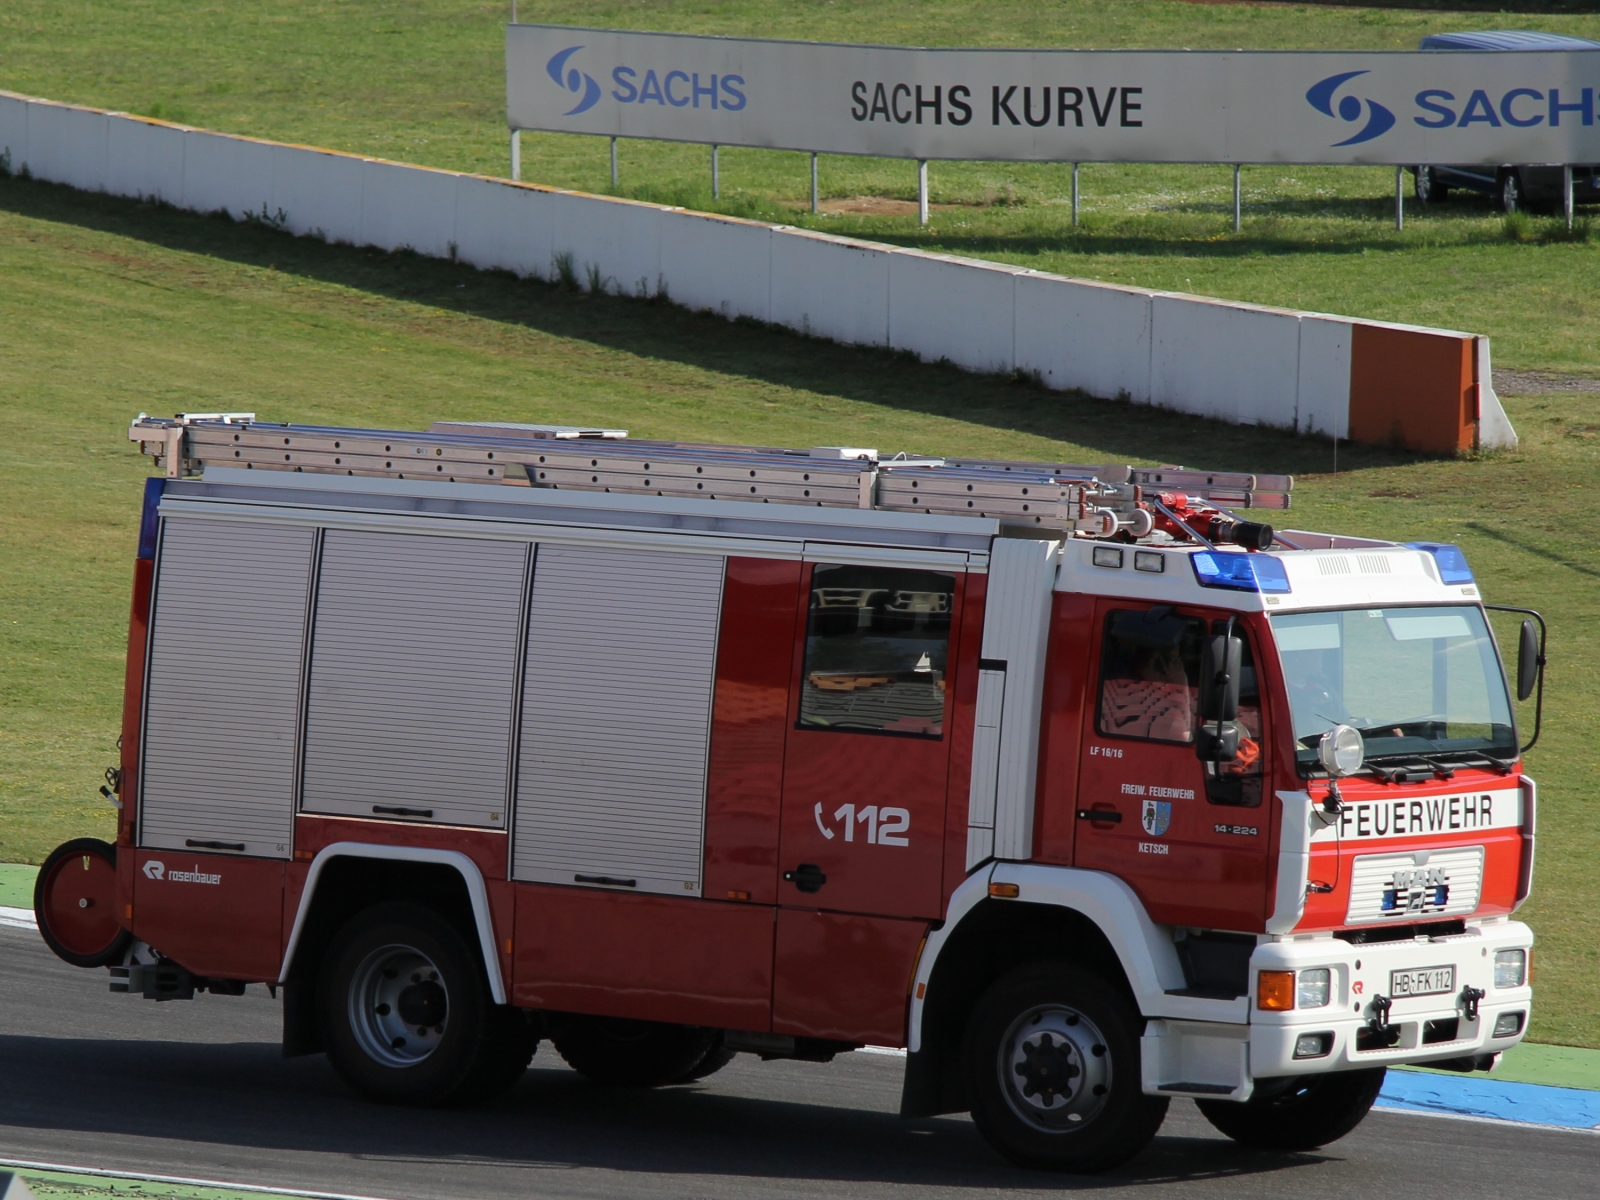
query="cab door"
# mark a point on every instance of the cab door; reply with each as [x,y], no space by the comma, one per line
[865,782]
[1188,837]
[866,762]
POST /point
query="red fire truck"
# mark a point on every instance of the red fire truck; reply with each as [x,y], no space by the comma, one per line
[1071,781]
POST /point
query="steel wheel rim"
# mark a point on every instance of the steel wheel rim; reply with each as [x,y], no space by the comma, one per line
[1055,1069]
[398,1006]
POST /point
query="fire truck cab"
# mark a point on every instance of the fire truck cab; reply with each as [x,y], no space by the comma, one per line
[1088,794]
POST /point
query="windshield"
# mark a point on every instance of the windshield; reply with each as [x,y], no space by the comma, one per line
[1414,681]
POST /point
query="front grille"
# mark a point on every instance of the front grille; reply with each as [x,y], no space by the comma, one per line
[1415,884]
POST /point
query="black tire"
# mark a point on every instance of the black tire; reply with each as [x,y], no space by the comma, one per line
[716,1058]
[74,904]
[623,1053]
[1051,1067]
[1428,188]
[1508,192]
[436,1038]
[1300,1113]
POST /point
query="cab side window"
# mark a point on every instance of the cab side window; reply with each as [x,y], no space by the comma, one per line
[877,650]
[1149,672]
[1149,689]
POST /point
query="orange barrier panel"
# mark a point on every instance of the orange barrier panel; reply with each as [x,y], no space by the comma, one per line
[1413,388]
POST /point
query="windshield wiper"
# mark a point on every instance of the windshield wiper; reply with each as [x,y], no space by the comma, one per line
[1479,758]
[1441,763]
[1404,774]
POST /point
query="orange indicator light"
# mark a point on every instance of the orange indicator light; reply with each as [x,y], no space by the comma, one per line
[1275,991]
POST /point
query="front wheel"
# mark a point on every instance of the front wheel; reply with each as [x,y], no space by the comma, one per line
[406,1015]
[1299,1113]
[1051,1065]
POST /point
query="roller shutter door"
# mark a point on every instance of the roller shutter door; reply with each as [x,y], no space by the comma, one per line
[413,677]
[222,701]
[616,718]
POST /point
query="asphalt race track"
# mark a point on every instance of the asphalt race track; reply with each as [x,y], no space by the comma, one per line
[198,1089]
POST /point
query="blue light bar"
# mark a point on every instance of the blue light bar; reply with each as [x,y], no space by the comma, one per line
[1452,563]
[1240,572]
[150,519]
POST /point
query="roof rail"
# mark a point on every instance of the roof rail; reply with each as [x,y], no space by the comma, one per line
[1097,501]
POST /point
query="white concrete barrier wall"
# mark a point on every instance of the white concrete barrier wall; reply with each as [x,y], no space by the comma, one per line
[964,310]
[1322,402]
[1242,363]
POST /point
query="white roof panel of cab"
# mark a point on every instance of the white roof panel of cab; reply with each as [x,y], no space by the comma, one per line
[1376,575]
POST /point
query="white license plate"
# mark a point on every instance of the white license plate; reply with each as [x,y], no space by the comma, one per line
[1424,981]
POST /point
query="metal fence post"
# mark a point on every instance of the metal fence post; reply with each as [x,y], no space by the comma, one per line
[1237,225]
[516,154]
[1399,198]
[716,183]
[813,181]
[1074,193]
[1566,193]
[922,191]
[613,163]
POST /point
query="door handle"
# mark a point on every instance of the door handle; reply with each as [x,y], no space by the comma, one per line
[1100,814]
[808,877]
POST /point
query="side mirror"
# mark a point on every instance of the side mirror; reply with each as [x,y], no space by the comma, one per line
[1220,668]
[1527,660]
[1215,745]
[1342,751]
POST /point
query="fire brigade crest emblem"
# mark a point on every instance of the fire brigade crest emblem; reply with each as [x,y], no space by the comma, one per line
[1156,817]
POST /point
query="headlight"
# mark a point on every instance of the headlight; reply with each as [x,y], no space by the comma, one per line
[1510,968]
[1314,986]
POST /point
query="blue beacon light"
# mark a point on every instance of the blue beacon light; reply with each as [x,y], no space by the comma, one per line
[1240,572]
[1452,562]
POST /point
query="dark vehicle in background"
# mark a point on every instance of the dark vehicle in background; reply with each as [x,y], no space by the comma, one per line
[1514,186]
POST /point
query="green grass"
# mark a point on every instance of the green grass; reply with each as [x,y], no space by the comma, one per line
[16,885]
[422,81]
[1553,1066]
[64,1185]
[110,308]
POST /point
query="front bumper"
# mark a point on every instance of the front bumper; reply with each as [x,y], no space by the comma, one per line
[1221,1060]
[1430,1028]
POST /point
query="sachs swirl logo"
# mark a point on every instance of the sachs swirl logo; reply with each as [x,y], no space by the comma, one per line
[573,80]
[1379,119]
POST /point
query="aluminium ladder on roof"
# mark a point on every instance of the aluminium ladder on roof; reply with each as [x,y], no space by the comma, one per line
[1074,498]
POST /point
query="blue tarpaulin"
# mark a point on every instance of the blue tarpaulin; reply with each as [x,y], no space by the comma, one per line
[1533,1103]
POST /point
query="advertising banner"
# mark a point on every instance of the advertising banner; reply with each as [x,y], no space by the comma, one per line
[1398,107]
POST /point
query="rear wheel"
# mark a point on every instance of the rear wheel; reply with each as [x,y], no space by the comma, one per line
[1298,1113]
[406,1015]
[1509,191]
[626,1053]
[1429,189]
[715,1059]
[1051,1064]
[75,904]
